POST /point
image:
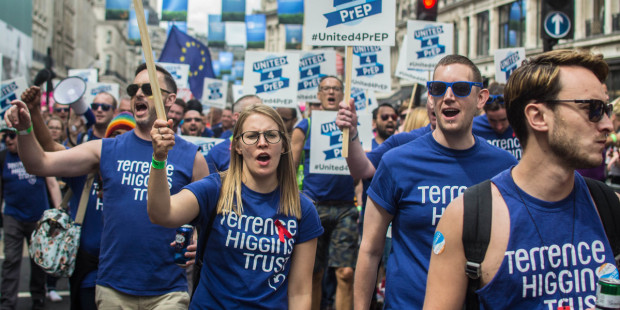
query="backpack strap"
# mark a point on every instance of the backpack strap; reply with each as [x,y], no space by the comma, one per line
[608,207]
[477,215]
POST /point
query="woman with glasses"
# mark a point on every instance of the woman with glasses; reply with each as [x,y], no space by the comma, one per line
[262,226]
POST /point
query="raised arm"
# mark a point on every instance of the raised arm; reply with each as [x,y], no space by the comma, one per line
[78,161]
[162,209]
[448,262]
[359,165]
[32,98]
[376,222]
[299,288]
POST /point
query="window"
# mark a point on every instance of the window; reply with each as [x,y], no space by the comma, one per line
[512,24]
[483,34]
[108,38]
[108,62]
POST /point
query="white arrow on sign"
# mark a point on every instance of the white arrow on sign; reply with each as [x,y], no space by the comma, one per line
[557,20]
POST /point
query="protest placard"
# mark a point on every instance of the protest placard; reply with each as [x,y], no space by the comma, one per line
[179,72]
[92,89]
[273,77]
[11,90]
[237,91]
[403,72]
[88,75]
[507,60]
[314,65]
[427,43]
[215,93]
[372,68]
[204,144]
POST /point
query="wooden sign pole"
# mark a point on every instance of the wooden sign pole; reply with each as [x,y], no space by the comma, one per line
[150,63]
[415,88]
[347,95]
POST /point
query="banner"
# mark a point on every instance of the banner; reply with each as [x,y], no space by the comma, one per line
[204,144]
[233,10]
[11,90]
[214,93]
[179,72]
[291,12]
[217,31]
[88,75]
[133,32]
[174,10]
[372,68]
[326,142]
[117,9]
[255,30]
[313,65]
[293,36]
[273,77]
[428,43]
[92,89]
[402,72]
[507,60]
[364,99]
[226,62]
[349,22]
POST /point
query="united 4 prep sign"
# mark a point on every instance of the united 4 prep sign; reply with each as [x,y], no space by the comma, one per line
[507,60]
[273,77]
[314,65]
[11,90]
[427,43]
[214,93]
[349,22]
[371,68]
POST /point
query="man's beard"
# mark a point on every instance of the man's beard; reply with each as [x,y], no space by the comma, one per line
[568,151]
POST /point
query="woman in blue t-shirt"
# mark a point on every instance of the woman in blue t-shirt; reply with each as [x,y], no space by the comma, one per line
[260,249]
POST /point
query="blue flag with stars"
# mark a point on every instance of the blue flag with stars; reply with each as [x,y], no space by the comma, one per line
[181,48]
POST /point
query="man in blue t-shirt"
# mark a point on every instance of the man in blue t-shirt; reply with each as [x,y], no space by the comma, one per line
[333,196]
[143,277]
[103,107]
[548,247]
[494,126]
[414,183]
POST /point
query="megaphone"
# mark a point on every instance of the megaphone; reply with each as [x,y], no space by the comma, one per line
[70,91]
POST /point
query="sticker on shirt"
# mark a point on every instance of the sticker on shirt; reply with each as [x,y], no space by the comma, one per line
[439,243]
[607,271]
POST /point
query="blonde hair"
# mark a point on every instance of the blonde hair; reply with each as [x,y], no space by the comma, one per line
[230,194]
[418,117]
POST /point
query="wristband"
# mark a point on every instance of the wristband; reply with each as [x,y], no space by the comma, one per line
[355,137]
[156,164]
[25,131]
[613,137]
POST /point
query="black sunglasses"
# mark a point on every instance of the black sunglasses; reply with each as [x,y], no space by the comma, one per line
[104,106]
[459,89]
[385,117]
[58,110]
[132,89]
[495,98]
[10,135]
[195,119]
[596,109]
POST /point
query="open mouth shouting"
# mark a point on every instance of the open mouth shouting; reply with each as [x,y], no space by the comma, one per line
[450,113]
[263,159]
[141,107]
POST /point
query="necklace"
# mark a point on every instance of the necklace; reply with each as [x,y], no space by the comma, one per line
[570,266]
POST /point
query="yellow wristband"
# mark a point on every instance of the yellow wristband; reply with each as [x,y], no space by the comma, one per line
[25,131]
[156,164]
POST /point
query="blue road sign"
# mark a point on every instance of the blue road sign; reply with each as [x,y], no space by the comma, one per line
[557,24]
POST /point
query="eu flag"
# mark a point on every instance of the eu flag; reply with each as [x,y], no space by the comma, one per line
[182,48]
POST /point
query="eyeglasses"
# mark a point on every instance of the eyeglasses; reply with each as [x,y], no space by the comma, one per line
[403,116]
[328,88]
[104,106]
[385,117]
[495,98]
[58,110]
[459,89]
[132,89]
[251,137]
[195,119]
[596,109]
[54,128]
[10,135]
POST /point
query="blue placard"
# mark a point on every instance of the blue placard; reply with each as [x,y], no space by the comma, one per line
[255,30]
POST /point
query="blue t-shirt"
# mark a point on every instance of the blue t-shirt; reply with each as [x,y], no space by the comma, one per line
[90,135]
[507,141]
[25,195]
[247,258]
[395,140]
[539,266]
[414,183]
[218,157]
[324,187]
[136,257]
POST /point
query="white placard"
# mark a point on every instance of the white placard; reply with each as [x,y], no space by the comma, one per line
[214,93]
[237,91]
[204,144]
[326,142]
[11,90]
[507,60]
[349,22]
[273,77]
[185,94]
[313,65]
[88,75]
[415,75]
[364,99]
[179,72]
[428,43]
[92,89]
[372,68]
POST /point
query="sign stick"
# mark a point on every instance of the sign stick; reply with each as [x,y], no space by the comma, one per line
[148,56]
[347,95]
[415,88]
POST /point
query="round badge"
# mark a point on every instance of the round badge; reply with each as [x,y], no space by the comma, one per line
[439,243]
[607,271]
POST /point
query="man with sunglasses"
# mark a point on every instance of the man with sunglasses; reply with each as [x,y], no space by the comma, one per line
[103,107]
[548,247]
[494,126]
[415,182]
[136,262]
[384,119]
[192,124]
